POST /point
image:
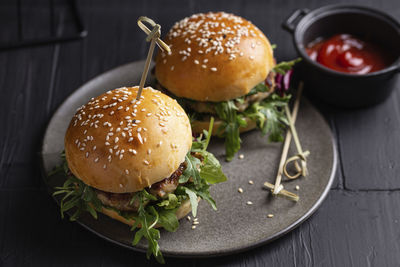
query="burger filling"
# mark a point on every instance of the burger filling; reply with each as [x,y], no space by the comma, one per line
[123,201]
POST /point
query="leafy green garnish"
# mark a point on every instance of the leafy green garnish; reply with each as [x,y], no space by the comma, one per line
[193,200]
[171,203]
[211,169]
[285,66]
[191,171]
[79,196]
[229,129]
[259,88]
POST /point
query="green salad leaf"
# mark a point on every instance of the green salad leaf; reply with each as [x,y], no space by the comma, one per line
[284,66]
[229,129]
[259,88]
[269,116]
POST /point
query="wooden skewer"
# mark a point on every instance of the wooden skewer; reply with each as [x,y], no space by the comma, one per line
[277,188]
[154,37]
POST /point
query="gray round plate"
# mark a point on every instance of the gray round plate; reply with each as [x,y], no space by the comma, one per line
[235,226]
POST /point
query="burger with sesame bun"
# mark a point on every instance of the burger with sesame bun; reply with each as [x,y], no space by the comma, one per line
[136,161]
[222,65]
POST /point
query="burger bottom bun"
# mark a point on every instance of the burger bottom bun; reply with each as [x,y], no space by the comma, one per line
[182,211]
[199,126]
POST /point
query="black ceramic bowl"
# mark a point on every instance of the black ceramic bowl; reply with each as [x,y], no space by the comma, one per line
[338,88]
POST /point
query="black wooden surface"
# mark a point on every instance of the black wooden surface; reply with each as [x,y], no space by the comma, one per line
[357,225]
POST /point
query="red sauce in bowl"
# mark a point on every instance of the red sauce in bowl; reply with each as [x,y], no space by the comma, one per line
[347,53]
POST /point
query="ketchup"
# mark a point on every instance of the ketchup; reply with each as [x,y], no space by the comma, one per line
[346,53]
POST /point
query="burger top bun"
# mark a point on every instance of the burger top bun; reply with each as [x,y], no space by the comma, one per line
[215,57]
[117,144]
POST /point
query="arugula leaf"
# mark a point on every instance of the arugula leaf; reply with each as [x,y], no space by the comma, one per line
[203,192]
[269,116]
[284,66]
[147,218]
[79,196]
[168,220]
[201,143]
[259,88]
[191,170]
[231,122]
[171,203]
[211,169]
[193,200]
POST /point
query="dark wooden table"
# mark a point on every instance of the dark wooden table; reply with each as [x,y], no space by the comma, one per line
[357,225]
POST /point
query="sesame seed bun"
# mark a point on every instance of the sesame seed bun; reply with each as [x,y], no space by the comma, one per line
[181,212]
[117,144]
[215,57]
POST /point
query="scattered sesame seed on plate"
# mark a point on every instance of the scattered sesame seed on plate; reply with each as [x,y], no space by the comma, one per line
[251,182]
[249,203]
[270,215]
[241,156]
[297,187]
[240,190]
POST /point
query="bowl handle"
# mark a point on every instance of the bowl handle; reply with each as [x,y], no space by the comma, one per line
[289,24]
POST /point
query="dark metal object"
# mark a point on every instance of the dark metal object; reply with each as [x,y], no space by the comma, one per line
[81,30]
[337,88]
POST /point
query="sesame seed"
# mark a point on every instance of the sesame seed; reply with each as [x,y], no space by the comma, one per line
[241,156]
[162,124]
[116,147]
[104,166]
[193,227]
[82,148]
[240,190]
[140,138]
[251,57]
[96,160]
[116,139]
[241,54]
[195,219]
[130,139]
[121,156]
[204,66]
[251,182]
[139,129]
[249,203]
[205,60]
[270,215]
[188,218]
[148,114]
[297,187]
[195,223]
[87,154]
[159,144]
[146,162]
[213,69]
[172,68]
[120,185]
[110,150]
[126,171]
[196,62]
